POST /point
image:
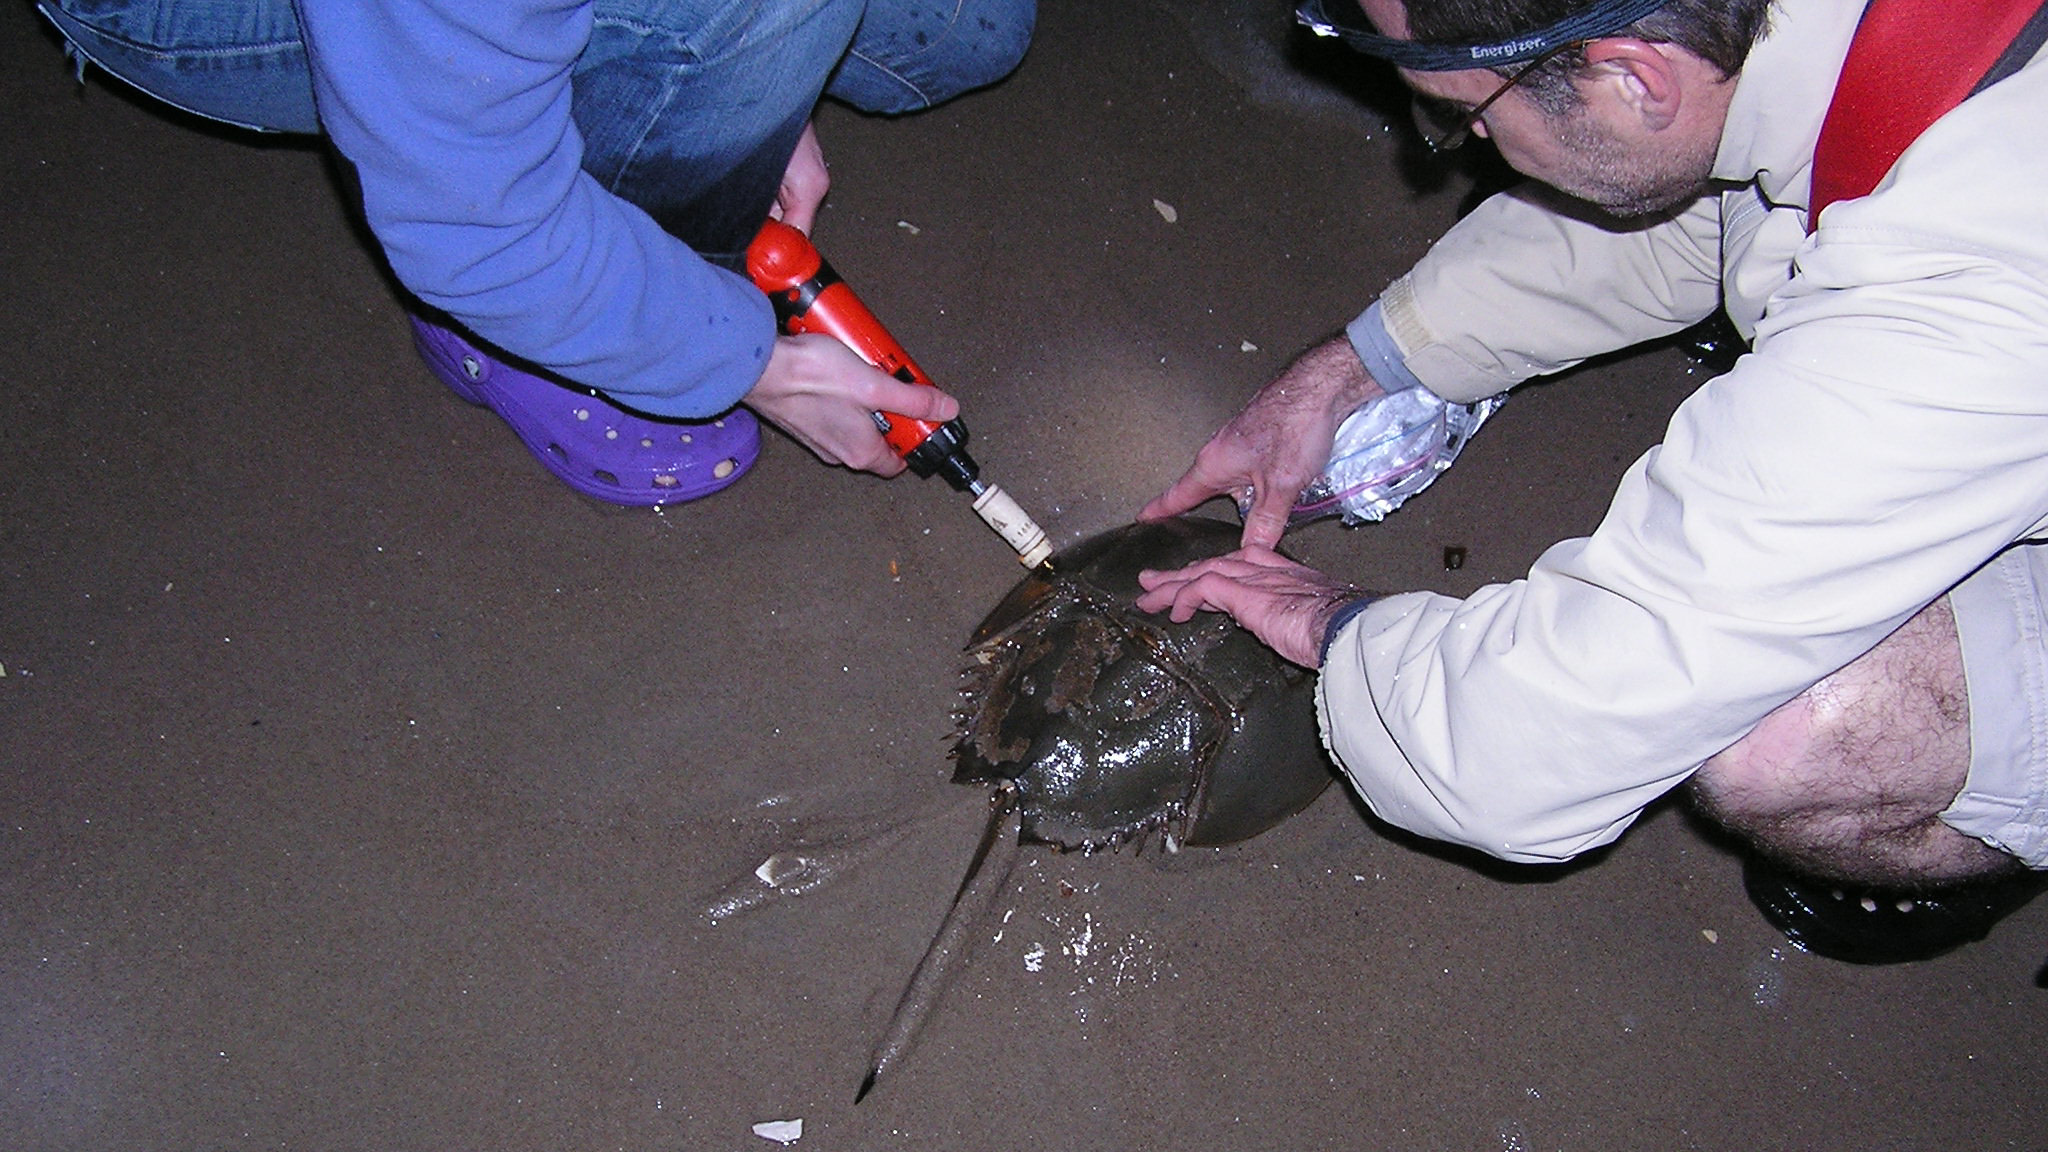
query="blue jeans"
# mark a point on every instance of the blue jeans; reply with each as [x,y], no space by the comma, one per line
[688,109]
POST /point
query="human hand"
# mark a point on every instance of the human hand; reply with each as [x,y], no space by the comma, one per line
[1277,444]
[819,391]
[804,184]
[1287,605]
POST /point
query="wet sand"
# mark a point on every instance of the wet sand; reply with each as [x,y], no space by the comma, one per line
[366,788]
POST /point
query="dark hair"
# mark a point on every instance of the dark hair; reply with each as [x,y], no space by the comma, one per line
[1721,32]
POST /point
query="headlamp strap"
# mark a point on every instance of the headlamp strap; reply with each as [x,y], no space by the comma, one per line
[1601,18]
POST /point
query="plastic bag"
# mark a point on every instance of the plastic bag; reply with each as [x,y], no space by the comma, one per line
[1387,451]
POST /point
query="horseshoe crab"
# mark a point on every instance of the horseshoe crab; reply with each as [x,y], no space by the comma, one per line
[1096,725]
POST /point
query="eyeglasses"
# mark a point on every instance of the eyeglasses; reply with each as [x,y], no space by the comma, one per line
[1445,127]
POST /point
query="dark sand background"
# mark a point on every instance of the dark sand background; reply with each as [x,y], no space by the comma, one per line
[364,788]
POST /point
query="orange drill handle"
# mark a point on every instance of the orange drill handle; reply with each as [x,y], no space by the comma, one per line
[810,297]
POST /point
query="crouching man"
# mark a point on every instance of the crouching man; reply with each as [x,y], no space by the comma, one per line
[1819,603]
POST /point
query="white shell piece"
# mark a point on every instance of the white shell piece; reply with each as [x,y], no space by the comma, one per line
[783,868]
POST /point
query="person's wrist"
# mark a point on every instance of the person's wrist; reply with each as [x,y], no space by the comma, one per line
[1376,350]
[1339,614]
[1350,384]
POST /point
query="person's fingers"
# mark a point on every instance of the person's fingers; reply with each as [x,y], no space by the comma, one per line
[1264,556]
[1265,522]
[1163,588]
[1184,494]
[884,463]
[1210,591]
[805,180]
[1158,589]
[1183,592]
[799,216]
[917,401]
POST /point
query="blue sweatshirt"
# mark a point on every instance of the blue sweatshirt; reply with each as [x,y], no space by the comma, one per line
[456,116]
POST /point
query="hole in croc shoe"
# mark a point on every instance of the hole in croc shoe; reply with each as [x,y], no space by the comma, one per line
[684,437]
[583,413]
[724,468]
[605,476]
[665,480]
[611,433]
[555,450]
[647,442]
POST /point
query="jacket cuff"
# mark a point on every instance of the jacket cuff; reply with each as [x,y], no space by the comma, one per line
[1382,357]
[1344,616]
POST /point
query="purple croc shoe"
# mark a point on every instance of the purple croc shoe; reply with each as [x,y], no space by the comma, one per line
[593,445]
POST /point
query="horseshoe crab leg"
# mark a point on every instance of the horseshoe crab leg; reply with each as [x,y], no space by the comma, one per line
[987,873]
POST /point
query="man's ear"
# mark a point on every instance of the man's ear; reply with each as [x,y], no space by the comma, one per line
[1643,76]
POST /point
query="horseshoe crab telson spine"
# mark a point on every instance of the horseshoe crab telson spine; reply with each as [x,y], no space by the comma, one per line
[987,873]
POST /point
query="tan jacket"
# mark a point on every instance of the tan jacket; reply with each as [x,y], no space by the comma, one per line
[1888,435]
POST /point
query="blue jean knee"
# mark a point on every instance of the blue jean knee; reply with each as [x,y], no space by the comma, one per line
[689,109]
[912,54]
[657,72]
[239,62]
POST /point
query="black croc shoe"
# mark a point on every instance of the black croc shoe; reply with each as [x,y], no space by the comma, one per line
[1881,926]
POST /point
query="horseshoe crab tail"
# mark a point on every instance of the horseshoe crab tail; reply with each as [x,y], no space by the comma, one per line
[987,873]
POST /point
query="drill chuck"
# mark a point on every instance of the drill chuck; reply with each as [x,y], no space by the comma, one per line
[944,454]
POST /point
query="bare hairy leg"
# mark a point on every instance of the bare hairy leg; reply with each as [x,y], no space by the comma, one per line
[1847,781]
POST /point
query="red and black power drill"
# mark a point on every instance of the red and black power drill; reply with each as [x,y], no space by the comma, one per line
[810,297]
